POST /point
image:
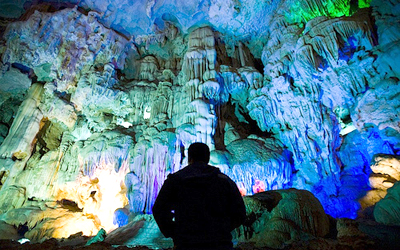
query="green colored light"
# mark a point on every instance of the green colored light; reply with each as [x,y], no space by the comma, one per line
[364,3]
[302,11]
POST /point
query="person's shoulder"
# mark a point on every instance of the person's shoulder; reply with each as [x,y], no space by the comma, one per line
[171,181]
[221,175]
[225,178]
[180,174]
[172,176]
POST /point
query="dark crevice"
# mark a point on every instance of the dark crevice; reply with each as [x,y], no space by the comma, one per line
[70,205]
[243,128]
[258,65]
[22,229]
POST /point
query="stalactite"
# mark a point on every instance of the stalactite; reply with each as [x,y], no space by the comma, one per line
[26,125]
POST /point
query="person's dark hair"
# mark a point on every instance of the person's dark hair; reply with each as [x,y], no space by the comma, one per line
[199,151]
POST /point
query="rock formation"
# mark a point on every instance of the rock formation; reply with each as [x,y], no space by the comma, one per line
[101,99]
[276,218]
[385,193]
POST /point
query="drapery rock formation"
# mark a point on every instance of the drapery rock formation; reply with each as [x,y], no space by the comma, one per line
[385,173]
[99,105]
[385,181]
[387,210]
[276,218]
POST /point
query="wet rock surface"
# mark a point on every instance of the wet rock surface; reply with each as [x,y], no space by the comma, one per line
[355,234]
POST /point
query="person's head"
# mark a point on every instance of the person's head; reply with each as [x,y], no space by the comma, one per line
[198,152]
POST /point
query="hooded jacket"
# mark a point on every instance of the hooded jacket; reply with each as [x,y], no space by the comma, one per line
[199,206]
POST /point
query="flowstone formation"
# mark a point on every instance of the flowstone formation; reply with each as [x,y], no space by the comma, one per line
[276,218]
[99,106]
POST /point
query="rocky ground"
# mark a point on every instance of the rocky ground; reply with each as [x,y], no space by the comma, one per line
[362,234]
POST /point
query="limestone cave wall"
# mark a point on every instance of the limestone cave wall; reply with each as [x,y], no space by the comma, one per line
[100,101]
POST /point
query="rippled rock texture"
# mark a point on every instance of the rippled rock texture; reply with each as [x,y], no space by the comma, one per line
[101,99]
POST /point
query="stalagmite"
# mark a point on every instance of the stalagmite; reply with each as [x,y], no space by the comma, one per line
[20,140]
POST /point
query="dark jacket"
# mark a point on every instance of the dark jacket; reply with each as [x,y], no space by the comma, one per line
[199,206]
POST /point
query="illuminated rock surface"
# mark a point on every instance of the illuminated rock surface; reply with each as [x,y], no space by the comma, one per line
[276,218]
[386,178]
[385,173]
[101,99]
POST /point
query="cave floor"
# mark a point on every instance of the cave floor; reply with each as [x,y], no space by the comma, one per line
[368,235]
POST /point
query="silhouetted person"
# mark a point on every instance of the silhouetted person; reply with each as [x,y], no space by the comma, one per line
[199,206]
